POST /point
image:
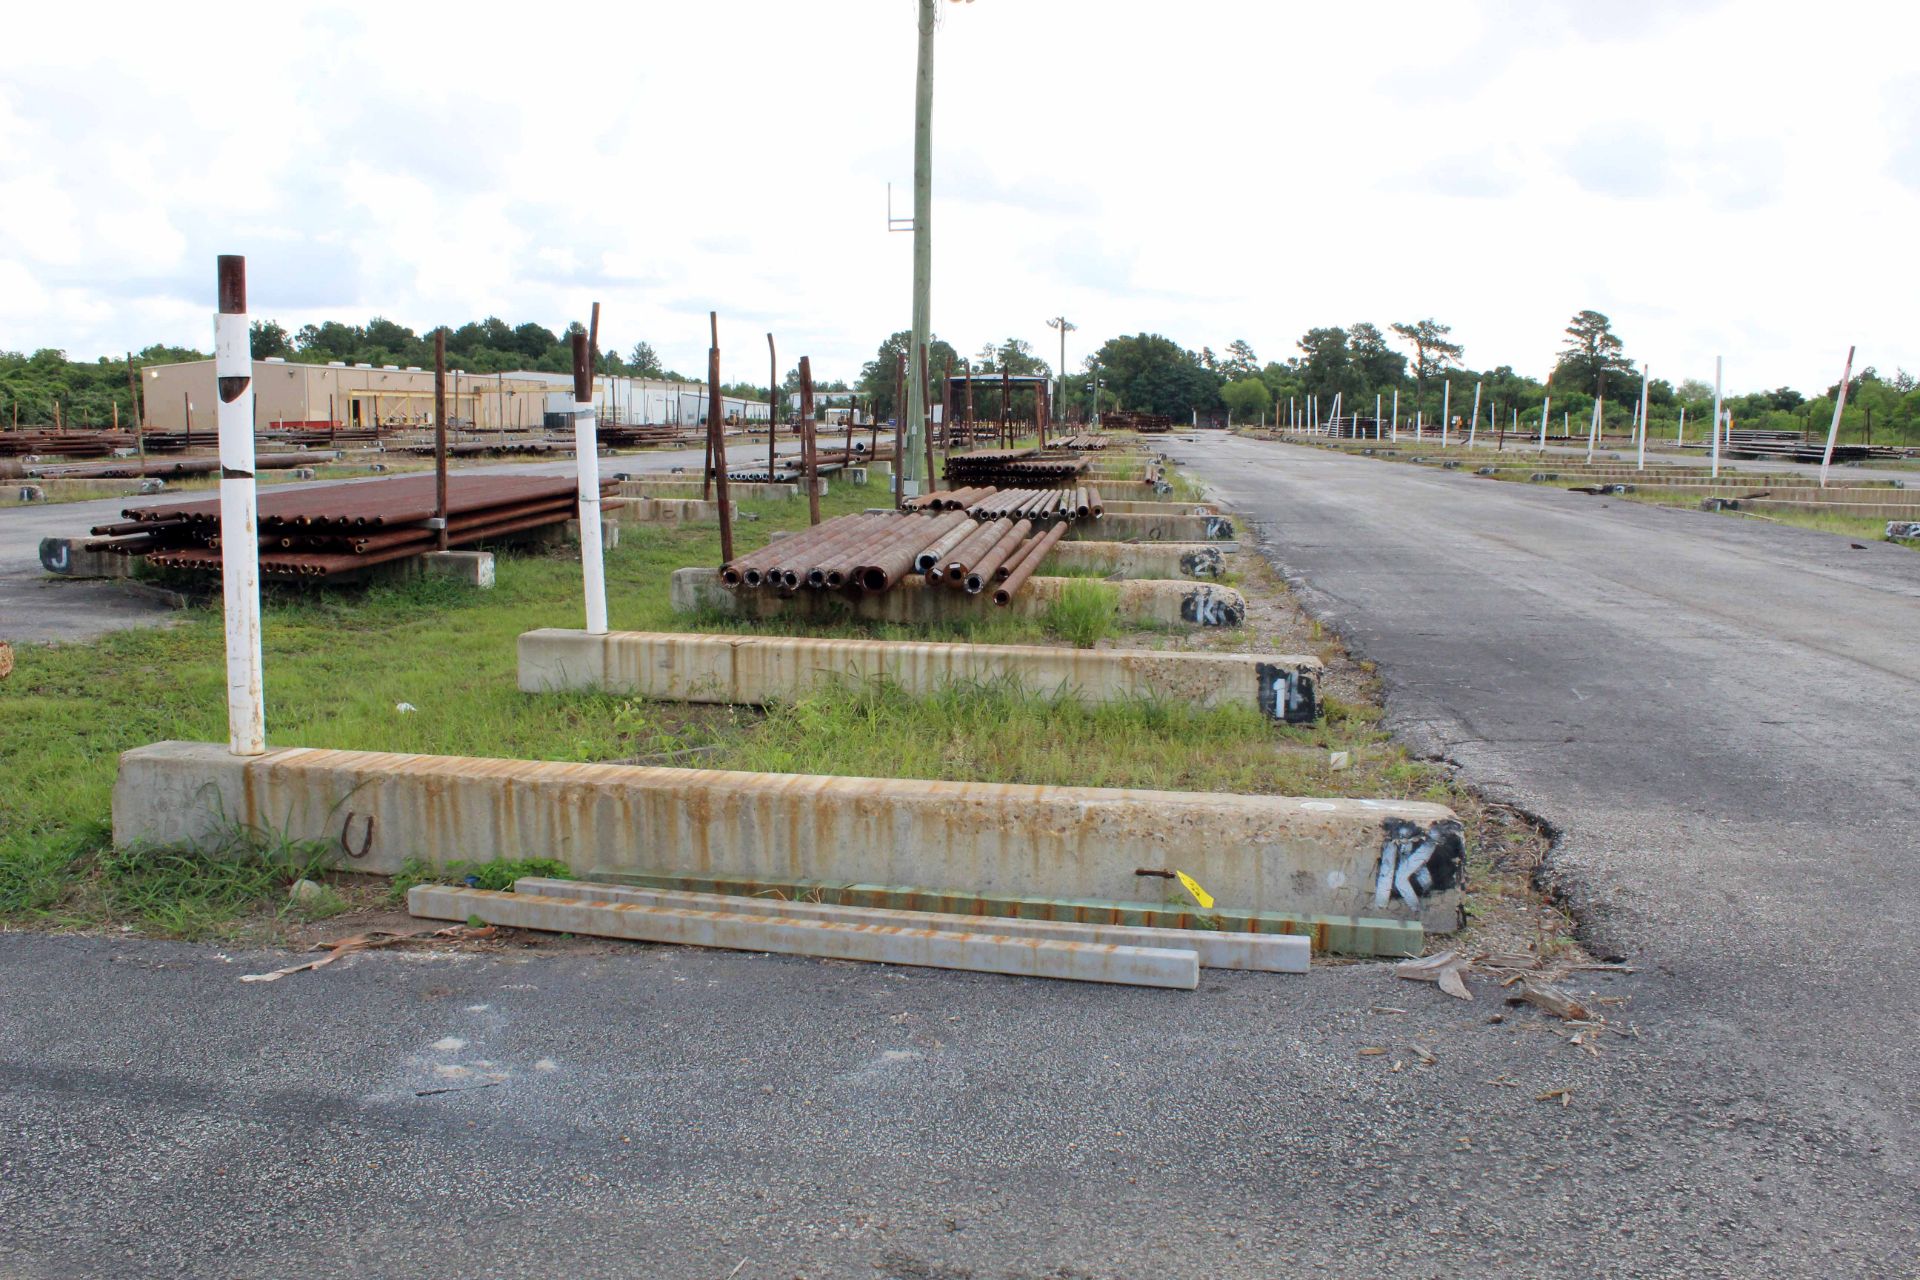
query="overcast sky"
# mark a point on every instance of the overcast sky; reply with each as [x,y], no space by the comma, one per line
[1738,178]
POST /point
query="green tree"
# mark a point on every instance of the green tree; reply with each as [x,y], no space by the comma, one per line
[267,339]
[1326,367]
[1380,367]
[1247,398]
[1240,362]
[877,375]
[1012,356]
[1433,351]
[1153,374]
[644,361]
[1592,351]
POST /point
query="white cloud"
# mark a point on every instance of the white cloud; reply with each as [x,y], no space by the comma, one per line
[1702,171]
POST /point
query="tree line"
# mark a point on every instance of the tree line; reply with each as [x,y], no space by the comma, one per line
[1148,372]
[1414,359]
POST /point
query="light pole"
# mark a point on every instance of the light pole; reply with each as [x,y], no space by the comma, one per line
[1065,326]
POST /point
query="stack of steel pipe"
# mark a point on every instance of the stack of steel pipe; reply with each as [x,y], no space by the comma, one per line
[1085,440]
[69,444]
[326,531]
[1013,468]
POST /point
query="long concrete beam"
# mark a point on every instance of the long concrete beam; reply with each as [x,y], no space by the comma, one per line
[758,669]
[1396,859]
[1347,935]
[1141,559]
[875,943]
[1200,604]
[1123,526]
[1258,952]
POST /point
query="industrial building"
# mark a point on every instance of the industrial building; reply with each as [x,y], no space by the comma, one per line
[647,401]
[178,397]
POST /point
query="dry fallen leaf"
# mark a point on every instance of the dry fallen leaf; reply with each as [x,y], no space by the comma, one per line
[1371,1051]
[1565,1096]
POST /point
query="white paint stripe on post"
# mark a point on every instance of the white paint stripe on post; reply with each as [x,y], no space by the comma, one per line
[1839,407]
[1680,433]
[1473,432]
[1593,431]
[1446,411]
[1259,952]
[1396,413]
[1544,403]
[1716,417]
[1646,378]
[982,952]
[239,512]
[586,452]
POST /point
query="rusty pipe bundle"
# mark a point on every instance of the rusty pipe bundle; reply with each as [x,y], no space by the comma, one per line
[890,562]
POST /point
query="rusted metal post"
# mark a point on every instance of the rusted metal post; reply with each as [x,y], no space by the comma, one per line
[239,513]
[586,455]
[773,403]
[809,445]
[186,410]
[716,432]
[440,436]
[1006,408]
[968,366]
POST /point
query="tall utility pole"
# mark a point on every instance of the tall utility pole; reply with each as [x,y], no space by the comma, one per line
[906,460]
[1065,326]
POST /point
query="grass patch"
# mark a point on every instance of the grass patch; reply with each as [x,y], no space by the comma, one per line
[1085,613]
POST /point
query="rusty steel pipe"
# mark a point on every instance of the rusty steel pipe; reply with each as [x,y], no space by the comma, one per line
[982,572]
[931,556]
[1004,593]
[889,562]
[953,568]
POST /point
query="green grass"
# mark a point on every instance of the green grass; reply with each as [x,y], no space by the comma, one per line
[1085,613]
[339,662]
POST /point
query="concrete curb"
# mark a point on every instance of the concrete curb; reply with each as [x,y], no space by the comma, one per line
[695,590]
[755,670]
[1254,853]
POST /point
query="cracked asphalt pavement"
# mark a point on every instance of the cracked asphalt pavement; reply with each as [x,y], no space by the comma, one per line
[1716,715]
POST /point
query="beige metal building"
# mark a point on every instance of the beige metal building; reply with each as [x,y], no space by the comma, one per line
[353,396]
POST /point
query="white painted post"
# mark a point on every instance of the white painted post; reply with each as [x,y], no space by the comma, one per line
[1680,436]
[1839,407]
[1716,418]
[239,512]
[1446,411]
[1473,432]
[1593,431]
[1646,376]
[1376,415]
[1543,422]
[1396,413]
[586,452]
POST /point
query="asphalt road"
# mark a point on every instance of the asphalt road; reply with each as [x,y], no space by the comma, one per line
[1717,714]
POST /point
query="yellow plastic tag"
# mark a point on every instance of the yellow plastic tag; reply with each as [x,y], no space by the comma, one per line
[1192,886]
